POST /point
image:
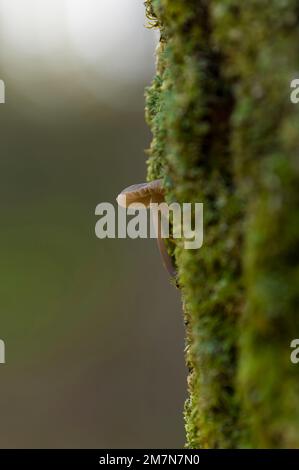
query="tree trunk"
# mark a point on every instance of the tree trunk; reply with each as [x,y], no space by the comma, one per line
[225,133]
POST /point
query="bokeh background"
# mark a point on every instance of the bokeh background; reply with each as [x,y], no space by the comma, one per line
[93,328]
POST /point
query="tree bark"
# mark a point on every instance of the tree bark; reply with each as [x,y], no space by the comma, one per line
[225,133]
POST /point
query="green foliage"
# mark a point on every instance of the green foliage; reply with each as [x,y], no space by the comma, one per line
[225,133]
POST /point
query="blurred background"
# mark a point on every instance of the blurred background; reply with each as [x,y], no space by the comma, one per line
[93,329]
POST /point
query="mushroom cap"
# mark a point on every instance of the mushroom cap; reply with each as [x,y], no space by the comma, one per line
[143,193]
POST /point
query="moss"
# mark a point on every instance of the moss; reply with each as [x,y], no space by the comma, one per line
[260,41]
[224,133]
[265,151]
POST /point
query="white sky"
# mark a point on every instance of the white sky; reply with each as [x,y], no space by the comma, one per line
[91,38]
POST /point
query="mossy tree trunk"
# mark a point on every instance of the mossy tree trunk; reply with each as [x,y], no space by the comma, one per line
[226,134]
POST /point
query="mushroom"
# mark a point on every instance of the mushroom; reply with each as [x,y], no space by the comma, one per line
[147,193]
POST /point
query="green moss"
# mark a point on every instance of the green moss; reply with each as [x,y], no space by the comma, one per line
[260,41]
[225,134]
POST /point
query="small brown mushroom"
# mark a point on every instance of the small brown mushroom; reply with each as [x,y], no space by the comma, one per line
[144,193]
[147,193]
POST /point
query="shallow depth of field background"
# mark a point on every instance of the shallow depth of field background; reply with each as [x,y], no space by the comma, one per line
[93,329]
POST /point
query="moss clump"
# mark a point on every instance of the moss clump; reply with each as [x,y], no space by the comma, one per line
[224,133]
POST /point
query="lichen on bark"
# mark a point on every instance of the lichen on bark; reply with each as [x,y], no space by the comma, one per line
[225,134]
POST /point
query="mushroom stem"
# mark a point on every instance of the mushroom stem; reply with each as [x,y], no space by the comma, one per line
[166,259]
